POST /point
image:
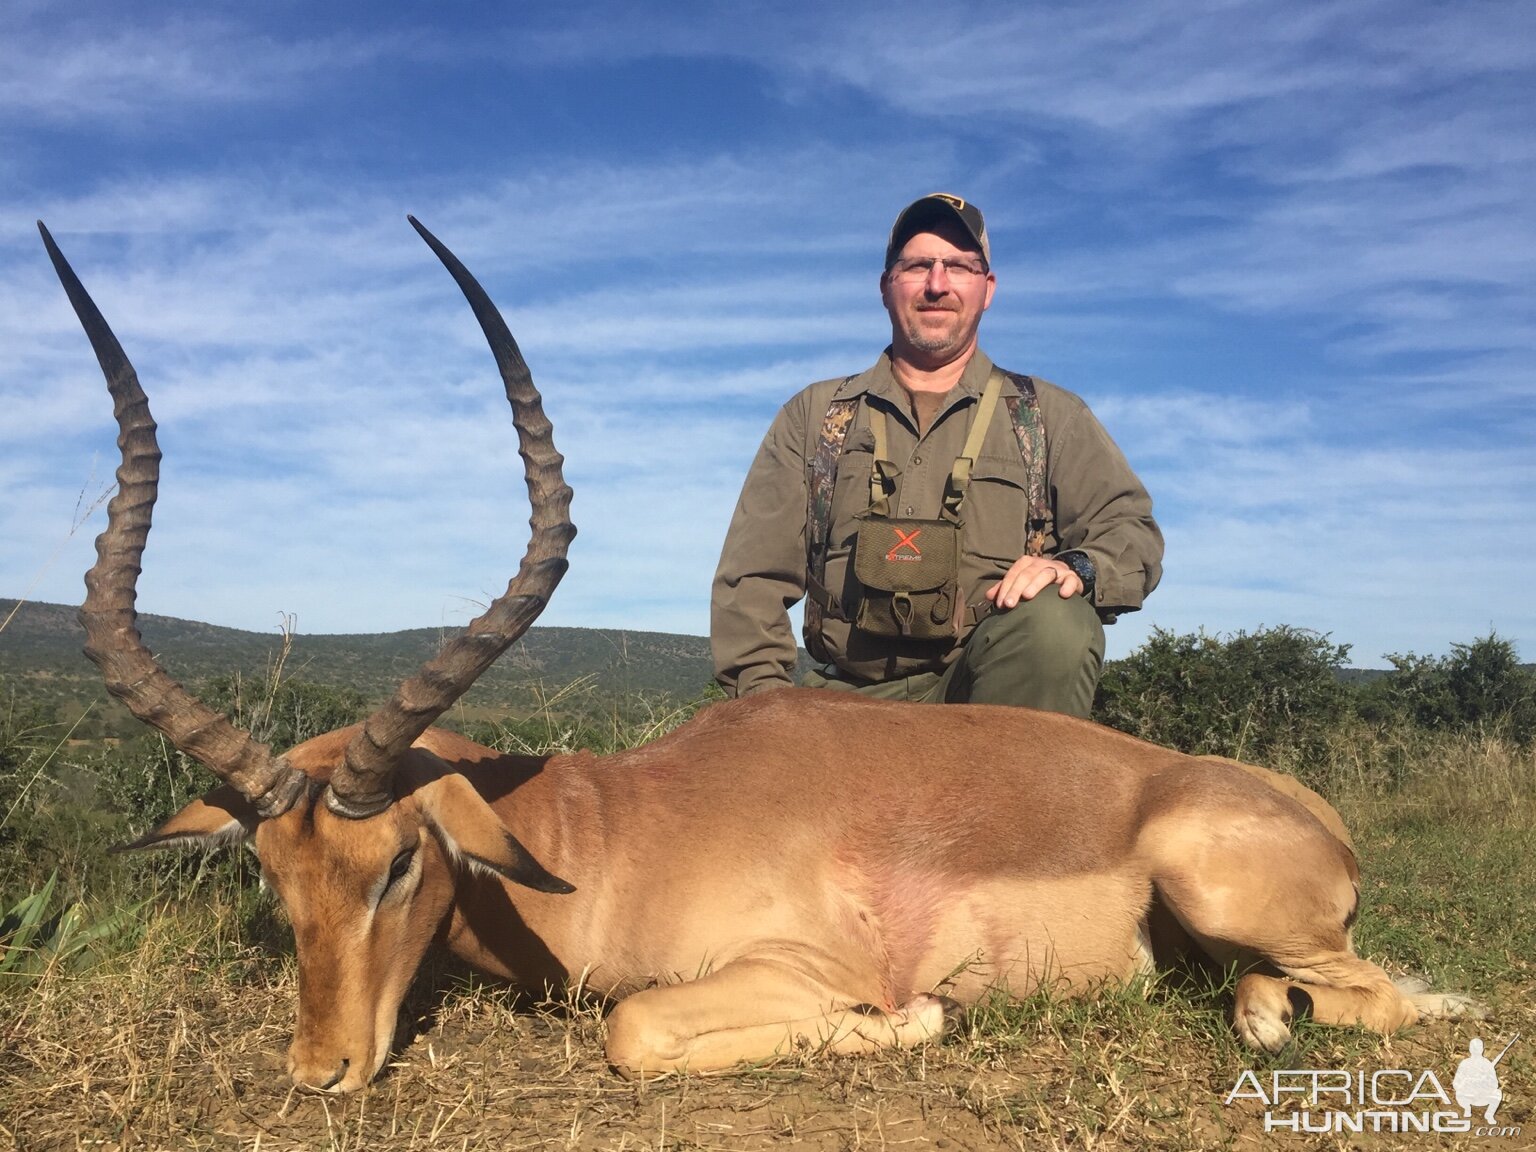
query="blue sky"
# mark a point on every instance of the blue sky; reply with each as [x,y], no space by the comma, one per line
[1286,251]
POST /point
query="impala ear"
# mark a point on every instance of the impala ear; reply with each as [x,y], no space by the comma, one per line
[475,838]
[221,817]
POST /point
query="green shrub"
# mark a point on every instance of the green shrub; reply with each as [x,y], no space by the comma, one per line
[1479,687]
[32,937]
[27,734]
[29,740]
[290,713]
[1248,695]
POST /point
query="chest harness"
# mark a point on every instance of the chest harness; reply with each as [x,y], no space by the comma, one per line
[908,569]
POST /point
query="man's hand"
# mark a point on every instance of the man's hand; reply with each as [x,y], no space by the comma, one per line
[1031,575]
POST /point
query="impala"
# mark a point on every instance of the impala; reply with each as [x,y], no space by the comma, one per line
[792,871]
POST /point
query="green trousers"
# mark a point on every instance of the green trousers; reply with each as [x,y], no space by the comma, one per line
[1045,653]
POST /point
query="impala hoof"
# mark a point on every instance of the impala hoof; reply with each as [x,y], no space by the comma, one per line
[1262,1013]
[940,1016]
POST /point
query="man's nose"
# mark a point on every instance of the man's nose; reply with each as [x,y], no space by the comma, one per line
[938,280]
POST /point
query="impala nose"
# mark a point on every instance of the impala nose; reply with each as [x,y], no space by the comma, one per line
[310,1074]
[337,1076]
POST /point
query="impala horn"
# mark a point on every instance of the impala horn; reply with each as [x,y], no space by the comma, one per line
[362,785]
[112,639]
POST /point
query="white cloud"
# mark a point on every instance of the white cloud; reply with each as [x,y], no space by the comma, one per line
[98,69]
[1350,180]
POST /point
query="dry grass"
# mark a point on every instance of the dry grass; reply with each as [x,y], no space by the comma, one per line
[144,1056]
[177,1041]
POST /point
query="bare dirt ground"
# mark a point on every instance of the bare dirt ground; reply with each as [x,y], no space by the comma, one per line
[194,1061]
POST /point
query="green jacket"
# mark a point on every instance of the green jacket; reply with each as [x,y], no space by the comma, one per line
[1097,506]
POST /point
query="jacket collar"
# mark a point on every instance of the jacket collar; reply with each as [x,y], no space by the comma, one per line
[879,380]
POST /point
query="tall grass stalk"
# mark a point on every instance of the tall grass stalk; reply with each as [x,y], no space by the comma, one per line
[174,1035]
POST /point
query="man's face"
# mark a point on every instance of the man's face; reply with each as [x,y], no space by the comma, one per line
[934,317]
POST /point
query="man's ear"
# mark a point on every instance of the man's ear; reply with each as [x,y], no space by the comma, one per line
[475,838]
[223,816]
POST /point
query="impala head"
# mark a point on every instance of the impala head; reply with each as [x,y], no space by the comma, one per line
[359,833]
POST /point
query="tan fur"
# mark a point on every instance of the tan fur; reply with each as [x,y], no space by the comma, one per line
[1296,790]
[798,871]
[795,872]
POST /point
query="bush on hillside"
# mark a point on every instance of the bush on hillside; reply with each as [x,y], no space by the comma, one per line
[28,734]
[1247,695]
[291,713]
[1479,687]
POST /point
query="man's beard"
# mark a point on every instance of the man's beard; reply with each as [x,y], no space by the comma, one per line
[927,340]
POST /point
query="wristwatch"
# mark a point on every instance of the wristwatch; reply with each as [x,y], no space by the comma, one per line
[1081,563]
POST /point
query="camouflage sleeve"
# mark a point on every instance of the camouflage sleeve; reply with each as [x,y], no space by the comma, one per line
[762,565]
[1101,508]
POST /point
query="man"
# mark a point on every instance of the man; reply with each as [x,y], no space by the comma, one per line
[952,545]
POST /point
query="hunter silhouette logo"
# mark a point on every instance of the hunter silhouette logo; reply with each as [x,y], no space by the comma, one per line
[905,540]
[1477,1083]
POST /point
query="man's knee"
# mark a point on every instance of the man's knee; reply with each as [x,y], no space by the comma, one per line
[1045,653]
[1047,630]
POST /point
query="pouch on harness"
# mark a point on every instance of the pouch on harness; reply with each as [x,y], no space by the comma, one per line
[898,594]
[909,570]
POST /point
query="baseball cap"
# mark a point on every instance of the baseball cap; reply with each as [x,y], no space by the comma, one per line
[937,206]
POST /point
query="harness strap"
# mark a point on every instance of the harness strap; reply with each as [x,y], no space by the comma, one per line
[818,515]
[1029,431]
[884,473]
[960,473]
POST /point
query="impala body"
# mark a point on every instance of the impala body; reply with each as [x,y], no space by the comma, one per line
[797,870]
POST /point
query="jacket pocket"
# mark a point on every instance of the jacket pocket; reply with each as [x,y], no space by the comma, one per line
[850,495]
[996,509]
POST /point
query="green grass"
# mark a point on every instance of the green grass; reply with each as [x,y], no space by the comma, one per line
[1449,901]
[172,1034]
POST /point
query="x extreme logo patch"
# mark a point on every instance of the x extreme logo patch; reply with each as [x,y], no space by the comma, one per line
[905,540]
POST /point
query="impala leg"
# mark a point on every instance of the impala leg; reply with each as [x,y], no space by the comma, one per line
[1339,988]
[755,1010]
[1335,988]
[1274,895]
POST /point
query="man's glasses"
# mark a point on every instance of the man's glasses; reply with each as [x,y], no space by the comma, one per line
[960,269]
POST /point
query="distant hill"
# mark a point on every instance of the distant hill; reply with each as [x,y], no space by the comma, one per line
[1359,677]
[41,661]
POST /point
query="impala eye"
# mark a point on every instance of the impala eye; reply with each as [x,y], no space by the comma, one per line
[399,866]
